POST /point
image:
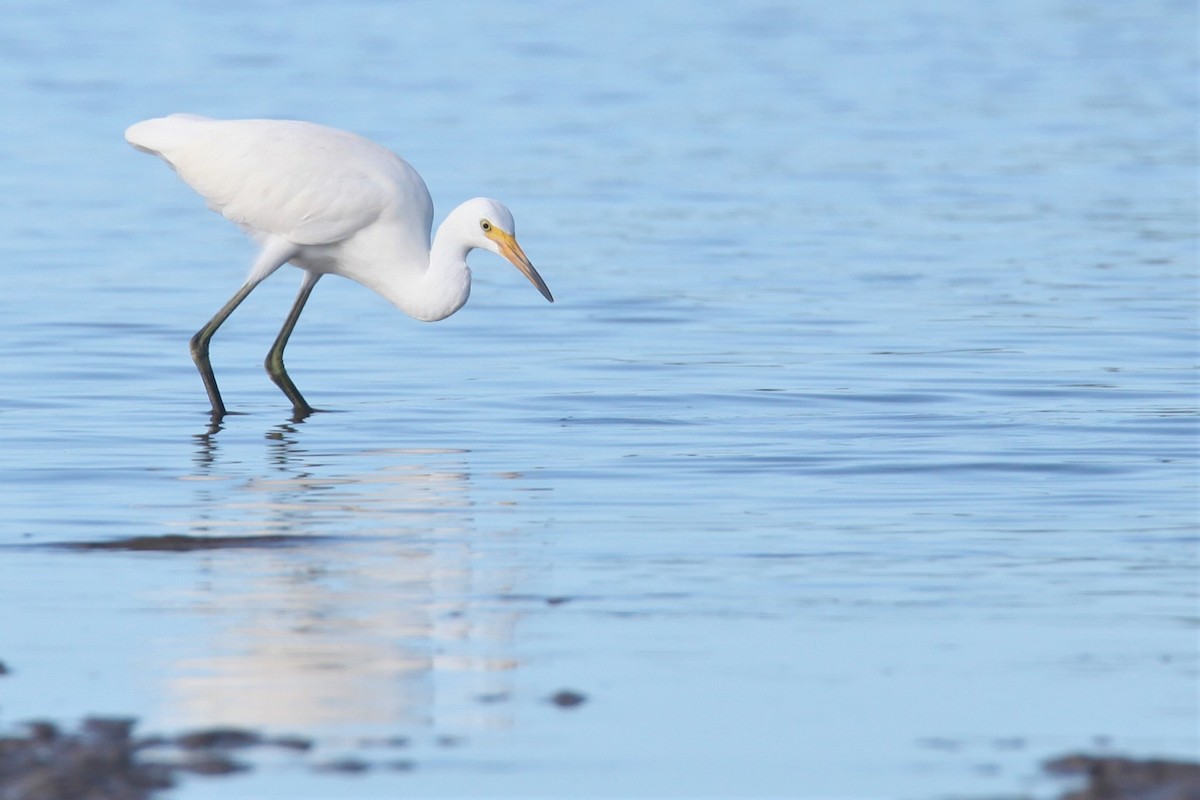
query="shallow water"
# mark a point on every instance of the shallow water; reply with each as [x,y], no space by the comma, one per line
[856,458]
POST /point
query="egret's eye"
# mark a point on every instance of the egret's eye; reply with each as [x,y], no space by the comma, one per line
[485,224]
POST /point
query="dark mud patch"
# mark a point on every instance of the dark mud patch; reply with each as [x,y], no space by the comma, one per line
[568,698]
[180,543]
[104,760]
[1115,778]
[98,762]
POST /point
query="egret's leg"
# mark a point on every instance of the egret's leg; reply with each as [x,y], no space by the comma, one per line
[275,253]
[274,362]
[199,348]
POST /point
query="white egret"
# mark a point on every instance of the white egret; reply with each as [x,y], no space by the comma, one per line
[329,202]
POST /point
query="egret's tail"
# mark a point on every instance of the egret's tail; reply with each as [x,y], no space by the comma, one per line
[159,136]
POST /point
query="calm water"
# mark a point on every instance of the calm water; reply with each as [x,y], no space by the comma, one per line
[856,458]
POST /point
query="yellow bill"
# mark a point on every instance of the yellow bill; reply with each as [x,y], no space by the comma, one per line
[513,252]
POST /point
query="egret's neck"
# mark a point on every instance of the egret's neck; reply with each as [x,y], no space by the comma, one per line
[428,282]
[428,294]
[448,253]
[446,284]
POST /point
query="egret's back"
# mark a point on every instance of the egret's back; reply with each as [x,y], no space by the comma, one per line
[305,183]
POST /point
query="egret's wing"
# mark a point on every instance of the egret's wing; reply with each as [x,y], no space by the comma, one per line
[306,183]
[306,211]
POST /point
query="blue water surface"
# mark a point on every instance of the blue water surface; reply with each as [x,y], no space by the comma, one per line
[856,458]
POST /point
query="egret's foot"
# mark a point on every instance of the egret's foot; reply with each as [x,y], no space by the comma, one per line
[217,416]
[216,419]
[216,422]
[300,414]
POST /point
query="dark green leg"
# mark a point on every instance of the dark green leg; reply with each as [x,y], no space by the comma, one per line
[274,362]
[200,348]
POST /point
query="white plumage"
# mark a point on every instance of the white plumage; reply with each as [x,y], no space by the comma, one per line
[307,183]
[329,202]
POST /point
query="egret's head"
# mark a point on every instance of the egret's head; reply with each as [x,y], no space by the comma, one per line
[489,226]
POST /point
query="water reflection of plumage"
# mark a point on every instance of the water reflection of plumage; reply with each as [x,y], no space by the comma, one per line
[370,601]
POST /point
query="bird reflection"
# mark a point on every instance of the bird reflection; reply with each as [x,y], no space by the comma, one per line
[206,443]
[380,606]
